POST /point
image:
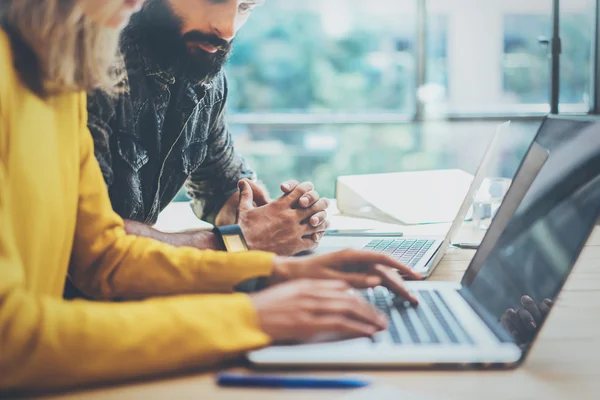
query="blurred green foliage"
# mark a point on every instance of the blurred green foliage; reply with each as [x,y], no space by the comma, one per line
[287,61]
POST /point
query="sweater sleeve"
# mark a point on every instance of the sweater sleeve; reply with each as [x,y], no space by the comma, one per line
[50,343]
[109,264]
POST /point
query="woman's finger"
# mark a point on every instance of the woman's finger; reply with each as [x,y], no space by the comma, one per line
[356,280]
[394,282]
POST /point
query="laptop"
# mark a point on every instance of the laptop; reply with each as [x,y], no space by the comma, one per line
[422,254]
[529,250]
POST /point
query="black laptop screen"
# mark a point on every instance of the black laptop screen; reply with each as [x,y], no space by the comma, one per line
[526,268]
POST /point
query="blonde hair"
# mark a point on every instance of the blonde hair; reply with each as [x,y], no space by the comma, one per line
[71,50]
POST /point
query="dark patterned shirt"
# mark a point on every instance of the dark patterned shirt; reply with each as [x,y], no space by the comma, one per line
[160,133]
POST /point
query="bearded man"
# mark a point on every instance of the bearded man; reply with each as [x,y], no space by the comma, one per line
[167,129]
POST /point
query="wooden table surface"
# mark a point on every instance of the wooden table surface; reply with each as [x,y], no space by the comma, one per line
[564,364]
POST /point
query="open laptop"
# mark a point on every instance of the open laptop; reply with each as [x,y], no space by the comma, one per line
[422,254]
[529,250]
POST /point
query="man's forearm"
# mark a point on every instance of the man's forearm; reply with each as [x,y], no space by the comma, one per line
[202,240]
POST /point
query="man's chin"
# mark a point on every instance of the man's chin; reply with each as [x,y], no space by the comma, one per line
[203,66]
[200,73]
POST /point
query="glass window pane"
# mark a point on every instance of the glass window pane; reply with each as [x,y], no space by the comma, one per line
[322,153]
[435,93]
[577,32]
[323,56]
[526,66]
[485,56]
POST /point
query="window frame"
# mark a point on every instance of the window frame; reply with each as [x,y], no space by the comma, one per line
[595,76]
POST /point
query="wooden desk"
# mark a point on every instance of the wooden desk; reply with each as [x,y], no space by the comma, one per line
[565,363]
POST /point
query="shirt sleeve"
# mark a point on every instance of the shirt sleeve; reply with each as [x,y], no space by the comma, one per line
[101,111]
[103,108]
[50,343]
[216,180]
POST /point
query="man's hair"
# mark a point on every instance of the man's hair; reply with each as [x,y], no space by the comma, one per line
[57,48]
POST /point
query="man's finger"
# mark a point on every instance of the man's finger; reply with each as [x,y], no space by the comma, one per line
[532,308]
[299,191]
[288,186]
[246,195]
[313,236]
[261,198]
[319,206]
[309,243]
[318,219]
[319,229]
[317,237]
[394,282]
[309,199]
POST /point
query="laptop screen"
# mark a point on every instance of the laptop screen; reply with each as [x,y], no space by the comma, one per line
[518,276]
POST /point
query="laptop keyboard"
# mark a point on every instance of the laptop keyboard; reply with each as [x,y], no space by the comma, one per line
[407,251]
[431,322]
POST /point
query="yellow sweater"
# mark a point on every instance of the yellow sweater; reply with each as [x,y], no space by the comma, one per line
[56,218]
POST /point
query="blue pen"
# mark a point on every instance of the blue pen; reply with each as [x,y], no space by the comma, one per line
[288,382]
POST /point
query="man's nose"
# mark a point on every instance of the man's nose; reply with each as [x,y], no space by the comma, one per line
[134,5]
[224,21]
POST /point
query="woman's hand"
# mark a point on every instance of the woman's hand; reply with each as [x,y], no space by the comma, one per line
[304,310]
[359,269]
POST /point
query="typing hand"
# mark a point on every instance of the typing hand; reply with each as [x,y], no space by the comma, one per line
[302,310]
[359,269]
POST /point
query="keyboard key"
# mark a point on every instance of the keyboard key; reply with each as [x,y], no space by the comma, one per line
[372,244]
[394,334]
[454,319]
[423,324]
[406,251]
[427,325]
[430,302]
[408,324]
[382,300]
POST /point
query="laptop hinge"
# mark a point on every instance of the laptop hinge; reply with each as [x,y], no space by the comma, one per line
[502,335]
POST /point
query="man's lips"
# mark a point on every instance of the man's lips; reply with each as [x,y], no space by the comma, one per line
[205,46]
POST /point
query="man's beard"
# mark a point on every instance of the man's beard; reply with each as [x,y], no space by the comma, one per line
[163,29]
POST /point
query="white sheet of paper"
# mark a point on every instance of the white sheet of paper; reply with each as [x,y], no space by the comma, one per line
[409,198]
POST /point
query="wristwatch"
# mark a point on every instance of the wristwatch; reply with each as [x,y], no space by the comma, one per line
[232,238]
